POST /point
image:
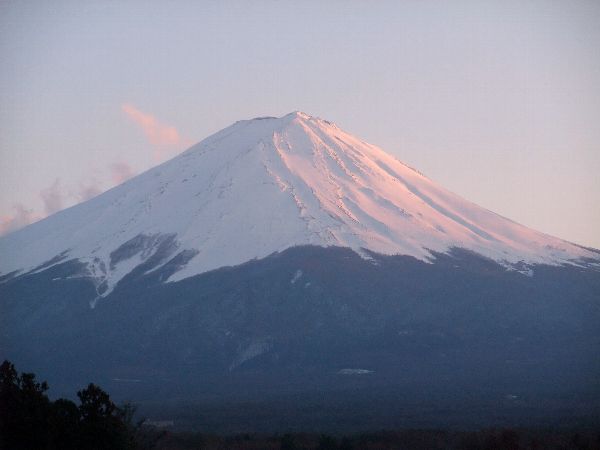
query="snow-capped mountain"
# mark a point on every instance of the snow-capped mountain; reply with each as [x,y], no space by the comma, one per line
[285,257]
[264,185]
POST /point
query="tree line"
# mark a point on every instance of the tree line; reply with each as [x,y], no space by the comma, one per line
[30,420]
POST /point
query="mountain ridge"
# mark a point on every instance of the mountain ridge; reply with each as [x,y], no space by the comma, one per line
[266,184]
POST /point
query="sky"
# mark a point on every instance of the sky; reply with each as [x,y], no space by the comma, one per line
[498,101]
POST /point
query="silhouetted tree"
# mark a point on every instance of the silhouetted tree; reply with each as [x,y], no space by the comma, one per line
[64,425]
[346,444]
[327,443]
[102,423]
[288,442]
[24,409]
[29,420]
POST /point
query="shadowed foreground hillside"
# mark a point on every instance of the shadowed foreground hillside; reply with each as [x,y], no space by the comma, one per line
[30,420]
[492,439]
[321,340]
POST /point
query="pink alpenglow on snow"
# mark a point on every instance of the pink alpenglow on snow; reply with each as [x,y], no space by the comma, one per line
[323,187]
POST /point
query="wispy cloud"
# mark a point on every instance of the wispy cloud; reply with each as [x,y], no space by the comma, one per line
[165,139]
[18,218]
[53,198]
[56,197]
[88,190]
[120,172]
[156,132]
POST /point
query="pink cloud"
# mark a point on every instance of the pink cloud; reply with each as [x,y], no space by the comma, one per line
[53,198]
[157,133]
[120,172]
[88,190]
[165,139]
[19,218]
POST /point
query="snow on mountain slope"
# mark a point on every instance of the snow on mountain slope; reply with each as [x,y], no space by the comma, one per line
[264,185]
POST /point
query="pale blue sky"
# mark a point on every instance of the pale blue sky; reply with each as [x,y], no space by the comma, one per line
[497,101]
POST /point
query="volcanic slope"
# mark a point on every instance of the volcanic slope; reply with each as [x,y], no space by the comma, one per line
[261,186]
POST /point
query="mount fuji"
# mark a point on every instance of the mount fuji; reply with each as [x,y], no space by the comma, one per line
[283,256]
[264,185]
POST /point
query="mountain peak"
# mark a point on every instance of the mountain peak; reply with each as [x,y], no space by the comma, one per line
[290,117]
[304,116]
[264,185]
[294,115]
[299,115]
